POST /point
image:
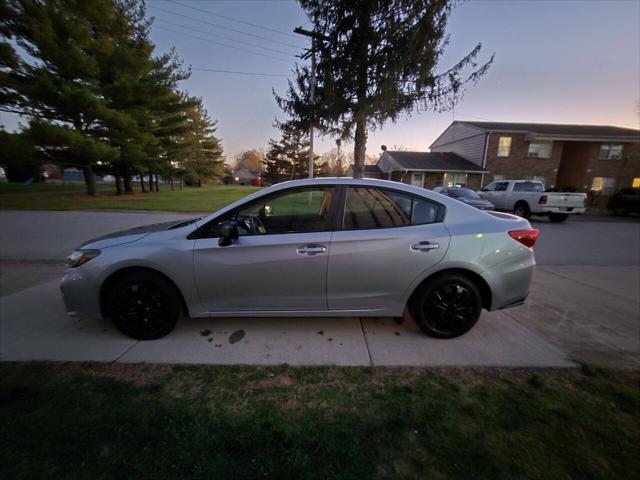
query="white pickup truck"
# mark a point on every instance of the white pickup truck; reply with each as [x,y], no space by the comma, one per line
[528,197]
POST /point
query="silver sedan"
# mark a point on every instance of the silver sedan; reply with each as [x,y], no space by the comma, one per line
[320,247]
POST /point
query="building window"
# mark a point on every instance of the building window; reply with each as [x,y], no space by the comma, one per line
[455,180]
[540,149]
[636,182]
[537,178]
[603,185]
[497,178]
[610,151]
[504,146]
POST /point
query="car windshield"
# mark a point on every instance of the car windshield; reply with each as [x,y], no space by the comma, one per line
[463,192]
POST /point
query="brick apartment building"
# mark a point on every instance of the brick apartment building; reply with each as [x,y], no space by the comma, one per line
[581,158]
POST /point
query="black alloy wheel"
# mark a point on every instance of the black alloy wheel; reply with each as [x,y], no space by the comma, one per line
[143,305]
[447,307]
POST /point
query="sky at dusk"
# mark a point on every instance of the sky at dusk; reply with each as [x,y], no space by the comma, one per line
[556,62]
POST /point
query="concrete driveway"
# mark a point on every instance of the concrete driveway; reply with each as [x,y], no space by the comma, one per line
[33,326]
[584,305]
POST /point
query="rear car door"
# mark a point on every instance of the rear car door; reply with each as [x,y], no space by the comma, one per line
[386,239]
[279,261]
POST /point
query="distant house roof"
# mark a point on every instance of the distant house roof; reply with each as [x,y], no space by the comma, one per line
[368,169]
[244,173]
[558,130]
[426,162]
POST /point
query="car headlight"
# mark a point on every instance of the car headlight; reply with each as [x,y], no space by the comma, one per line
[80,257]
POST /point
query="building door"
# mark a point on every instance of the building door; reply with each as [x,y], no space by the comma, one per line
[417,179]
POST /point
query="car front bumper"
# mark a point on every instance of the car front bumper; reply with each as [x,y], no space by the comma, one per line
[81,294]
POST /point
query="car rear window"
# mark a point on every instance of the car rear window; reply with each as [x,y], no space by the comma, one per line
[528,187]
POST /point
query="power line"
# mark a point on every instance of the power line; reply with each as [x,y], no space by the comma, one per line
[239,73]
[225,45]
[273,30]
[225,28]
[225,38]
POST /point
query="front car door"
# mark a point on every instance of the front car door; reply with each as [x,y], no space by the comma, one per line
[279,261]
[387,239]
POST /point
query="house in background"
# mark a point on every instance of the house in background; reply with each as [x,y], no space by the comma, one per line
[429,169]
[370,171]
[583,158]
[243,176]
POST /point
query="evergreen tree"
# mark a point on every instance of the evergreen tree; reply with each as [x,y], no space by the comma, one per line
[379,61]
[204,160]
[291,149]
[54,81]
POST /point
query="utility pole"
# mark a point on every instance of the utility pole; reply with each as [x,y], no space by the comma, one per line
[312,85]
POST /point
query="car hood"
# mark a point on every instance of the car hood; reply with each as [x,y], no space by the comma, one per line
[134,234]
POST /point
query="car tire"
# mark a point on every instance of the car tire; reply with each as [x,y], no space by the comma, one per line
[558,217]
[143,305]
[447,306]
[521,209]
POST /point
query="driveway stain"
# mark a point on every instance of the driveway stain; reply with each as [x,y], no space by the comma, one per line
[321,332]
[210,339]
[396,333]
[205,333]
[236,336]
[329,339]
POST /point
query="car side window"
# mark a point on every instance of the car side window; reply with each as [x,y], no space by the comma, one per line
[370,208]
[501,186]
[490,188]
[293,211]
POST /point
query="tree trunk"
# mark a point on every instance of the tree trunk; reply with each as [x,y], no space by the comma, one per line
[144,190]
[90,180]
[181,183]
[363,34]
[359,150]
[157,185]
[173,187]
[118,185]
[126,176]
[150,182]
[199,182]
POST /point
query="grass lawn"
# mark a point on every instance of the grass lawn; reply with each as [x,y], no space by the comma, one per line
[72,197]
[163,422]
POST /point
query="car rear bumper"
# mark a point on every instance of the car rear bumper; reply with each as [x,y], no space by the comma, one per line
[80,294]
[567,210]
[510,281]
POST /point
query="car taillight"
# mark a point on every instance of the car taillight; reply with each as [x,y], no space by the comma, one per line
[543,200]
[526,237]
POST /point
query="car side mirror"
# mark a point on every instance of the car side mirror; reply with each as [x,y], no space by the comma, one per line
[228,233]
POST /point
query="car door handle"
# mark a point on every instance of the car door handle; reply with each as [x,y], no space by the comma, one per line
[424,246]
[311,249]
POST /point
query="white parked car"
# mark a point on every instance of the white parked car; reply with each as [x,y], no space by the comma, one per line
[528,197]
